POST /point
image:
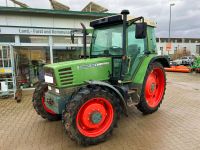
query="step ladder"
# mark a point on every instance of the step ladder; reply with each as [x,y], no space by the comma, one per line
[7,71]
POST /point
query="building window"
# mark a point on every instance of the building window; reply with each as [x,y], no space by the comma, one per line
[172,40]
[34,39]
[198,49]
[195,40]
[88,40]
[163,40]
[179,40]
[64,40]
[175,50]
[157,40]
[7,38]
[161,49]
[184,50]
[186,40]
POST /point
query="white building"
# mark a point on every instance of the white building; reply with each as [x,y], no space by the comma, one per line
[42,36]
[189,44]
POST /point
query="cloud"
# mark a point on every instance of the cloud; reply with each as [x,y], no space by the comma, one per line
[185,14]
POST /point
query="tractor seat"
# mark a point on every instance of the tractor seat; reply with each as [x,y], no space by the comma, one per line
[133,50]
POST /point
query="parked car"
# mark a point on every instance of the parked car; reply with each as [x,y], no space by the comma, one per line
[187,60]
[176,62]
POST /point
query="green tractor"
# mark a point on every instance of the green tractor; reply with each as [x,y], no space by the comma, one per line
[90,94]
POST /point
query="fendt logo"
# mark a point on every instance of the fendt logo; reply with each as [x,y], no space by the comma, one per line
[86,66]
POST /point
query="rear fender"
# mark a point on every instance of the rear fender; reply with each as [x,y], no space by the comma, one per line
[164,61]
[140,75]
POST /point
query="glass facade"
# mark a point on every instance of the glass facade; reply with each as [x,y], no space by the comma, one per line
[34,39]
[7,38]
[29,64]
[30,59]
[66,53]
[64,40]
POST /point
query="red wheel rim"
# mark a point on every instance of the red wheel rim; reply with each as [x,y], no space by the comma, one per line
[95,117]
[154,88]
[45,107]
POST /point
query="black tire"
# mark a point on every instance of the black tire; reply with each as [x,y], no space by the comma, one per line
[39,92]
[80,98]
[143,105]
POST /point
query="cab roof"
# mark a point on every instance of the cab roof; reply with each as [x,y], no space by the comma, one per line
[117,19]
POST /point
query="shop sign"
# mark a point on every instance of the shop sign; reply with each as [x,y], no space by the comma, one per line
[168,46]
[34,31]
[5,70]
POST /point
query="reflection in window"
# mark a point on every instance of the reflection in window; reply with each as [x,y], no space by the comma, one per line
[64,39]
[7,38]
[61,54]
[30,63]
[34,39]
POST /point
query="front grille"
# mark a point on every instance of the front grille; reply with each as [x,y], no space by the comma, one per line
[66,76]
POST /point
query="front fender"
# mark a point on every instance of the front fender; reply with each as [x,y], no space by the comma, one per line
[116,91]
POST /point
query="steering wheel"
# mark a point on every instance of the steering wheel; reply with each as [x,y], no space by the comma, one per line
[115,47]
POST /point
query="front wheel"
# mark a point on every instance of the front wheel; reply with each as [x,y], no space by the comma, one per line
[39,103]
[153,89]
[91,115]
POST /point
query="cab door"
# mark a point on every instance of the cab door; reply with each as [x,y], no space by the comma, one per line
[135,52]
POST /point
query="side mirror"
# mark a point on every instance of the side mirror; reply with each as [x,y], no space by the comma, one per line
[141,30]
[72,37]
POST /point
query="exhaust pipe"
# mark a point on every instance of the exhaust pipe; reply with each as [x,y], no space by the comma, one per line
[124,41]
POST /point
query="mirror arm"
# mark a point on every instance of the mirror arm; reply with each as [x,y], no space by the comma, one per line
[136,19]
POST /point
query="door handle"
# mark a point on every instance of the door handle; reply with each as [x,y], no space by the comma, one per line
[129,63]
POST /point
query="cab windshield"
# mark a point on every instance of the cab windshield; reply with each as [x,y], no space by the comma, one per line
[107,41]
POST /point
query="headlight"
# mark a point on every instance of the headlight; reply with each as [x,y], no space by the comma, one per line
[48,79]
[57,91]
[49,76]
[49,88]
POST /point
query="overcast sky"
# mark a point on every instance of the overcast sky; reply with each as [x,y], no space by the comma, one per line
[185,13]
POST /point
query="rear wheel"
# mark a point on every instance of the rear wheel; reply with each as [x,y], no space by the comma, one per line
[91,115]
[39,103]
[153,89]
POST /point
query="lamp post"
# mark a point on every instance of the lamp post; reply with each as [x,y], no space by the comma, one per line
[170,18]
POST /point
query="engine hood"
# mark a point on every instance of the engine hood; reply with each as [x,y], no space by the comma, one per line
[76,72]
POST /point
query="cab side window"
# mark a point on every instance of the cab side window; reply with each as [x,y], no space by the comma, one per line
[135,46]
[152,39]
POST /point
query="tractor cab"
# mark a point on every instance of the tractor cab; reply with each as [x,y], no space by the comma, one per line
[124,40]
